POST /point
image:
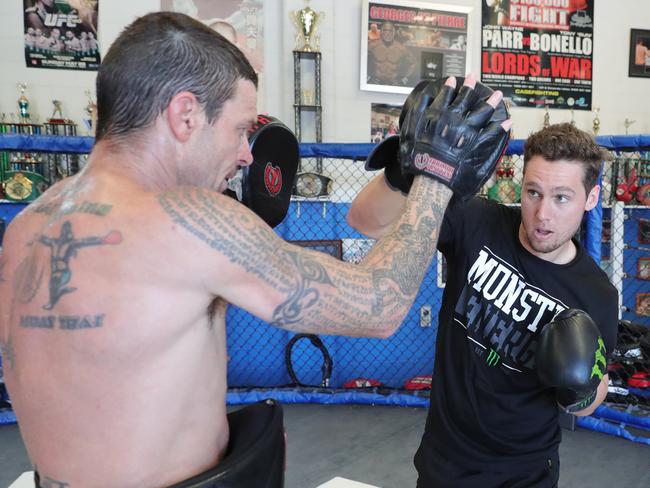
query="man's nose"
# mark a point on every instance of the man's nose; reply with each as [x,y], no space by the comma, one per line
[245,155]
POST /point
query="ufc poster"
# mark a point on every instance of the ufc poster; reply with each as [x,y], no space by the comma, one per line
[61,34]
[539,53]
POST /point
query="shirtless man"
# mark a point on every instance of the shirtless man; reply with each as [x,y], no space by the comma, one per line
[389,61]
[117,369]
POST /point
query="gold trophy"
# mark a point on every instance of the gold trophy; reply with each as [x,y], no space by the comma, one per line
[306,21]
[596,121]
[91,111]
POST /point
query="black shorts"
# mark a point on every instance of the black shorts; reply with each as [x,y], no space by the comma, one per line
[434,471]
[255,456]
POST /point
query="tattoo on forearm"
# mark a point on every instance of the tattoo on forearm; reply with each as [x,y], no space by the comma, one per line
[63,248]
[62,322]
[320,293]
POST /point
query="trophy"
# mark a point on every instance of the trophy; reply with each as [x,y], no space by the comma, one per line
[573,117]
[547,117]
[596,122]
[57,124]
[91,111]
[57,111]
[627,123]
[23,104]
[306,21]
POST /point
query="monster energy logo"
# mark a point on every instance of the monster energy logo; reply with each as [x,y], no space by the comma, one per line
[599,358]
[493,358]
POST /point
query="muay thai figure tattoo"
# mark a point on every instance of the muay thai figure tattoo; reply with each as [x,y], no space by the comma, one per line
[63,248]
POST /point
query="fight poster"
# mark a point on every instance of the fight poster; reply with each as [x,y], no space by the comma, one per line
[539,52]
[61,34]
[239,21]
[404,41]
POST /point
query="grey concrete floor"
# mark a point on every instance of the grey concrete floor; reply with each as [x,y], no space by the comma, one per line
[375,445]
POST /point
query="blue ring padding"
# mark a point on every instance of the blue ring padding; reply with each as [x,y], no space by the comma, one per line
[626,417]
[83,145]
[607,427]
[7,417]
[285,395]
[65,144]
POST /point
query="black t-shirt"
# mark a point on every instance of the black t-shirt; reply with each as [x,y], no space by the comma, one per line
[488,409]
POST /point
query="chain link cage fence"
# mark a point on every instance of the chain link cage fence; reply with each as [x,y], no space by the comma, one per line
[265,361]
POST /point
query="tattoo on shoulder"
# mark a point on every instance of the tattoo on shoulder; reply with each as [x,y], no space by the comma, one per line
[232,234]
[57,210]
[63,248]
[27,279]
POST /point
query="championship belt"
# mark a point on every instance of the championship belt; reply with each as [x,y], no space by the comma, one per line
[23,186]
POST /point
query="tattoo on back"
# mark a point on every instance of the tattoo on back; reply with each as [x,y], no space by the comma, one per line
[63,249]
[7,353]
[27,279]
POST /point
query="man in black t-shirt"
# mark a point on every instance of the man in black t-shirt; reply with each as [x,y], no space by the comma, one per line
[515,276]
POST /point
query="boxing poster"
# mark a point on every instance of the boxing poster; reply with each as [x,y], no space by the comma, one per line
[539,52]
[403,42]
[61,34]
[239,21]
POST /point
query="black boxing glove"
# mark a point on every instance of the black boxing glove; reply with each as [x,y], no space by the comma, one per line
[453,136]
[571,358]
[265,186]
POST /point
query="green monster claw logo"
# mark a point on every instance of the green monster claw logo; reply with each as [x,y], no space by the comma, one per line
[599,358]
[493,358]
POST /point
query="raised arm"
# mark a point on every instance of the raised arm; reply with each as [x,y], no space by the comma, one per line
[247,264]
[302,290]
[375,208]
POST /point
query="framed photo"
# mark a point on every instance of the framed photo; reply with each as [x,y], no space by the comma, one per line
[331,247]
[643,269]
[403,42]
[643,304]
[384,121]
[644,231]
[639,53]
[607,230]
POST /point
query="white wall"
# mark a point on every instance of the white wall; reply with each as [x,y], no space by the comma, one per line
[346,108]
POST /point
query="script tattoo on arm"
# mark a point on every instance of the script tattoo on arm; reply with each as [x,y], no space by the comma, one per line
[322,294]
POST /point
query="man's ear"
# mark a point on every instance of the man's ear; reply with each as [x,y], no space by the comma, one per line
[592,198]
[183,115]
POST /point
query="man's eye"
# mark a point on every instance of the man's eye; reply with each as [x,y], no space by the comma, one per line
[562,198]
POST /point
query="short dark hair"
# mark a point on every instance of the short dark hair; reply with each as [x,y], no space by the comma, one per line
[156,57]
[566,142]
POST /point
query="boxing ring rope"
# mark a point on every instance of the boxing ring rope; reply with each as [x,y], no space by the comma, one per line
[348,353]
